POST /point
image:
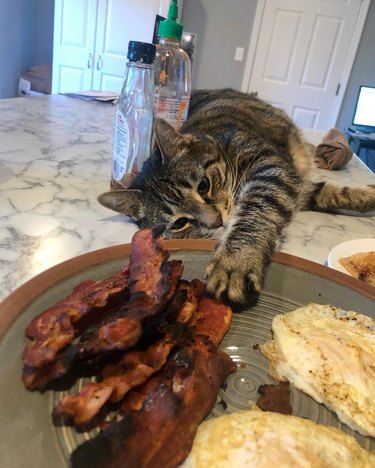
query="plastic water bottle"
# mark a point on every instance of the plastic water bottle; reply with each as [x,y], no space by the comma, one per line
[172,71]
[133,136]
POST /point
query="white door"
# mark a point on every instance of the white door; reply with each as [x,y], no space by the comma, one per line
[117,25]
[73,45]
[303,56]
[91,40]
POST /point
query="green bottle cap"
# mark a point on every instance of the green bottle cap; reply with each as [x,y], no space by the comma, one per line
[170,27]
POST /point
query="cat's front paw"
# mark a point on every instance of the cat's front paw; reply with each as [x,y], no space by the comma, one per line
[234,278]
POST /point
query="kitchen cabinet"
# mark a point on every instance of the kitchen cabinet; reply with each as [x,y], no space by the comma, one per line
[91,39]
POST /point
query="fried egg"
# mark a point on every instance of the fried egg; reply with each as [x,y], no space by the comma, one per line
[328,353]
[265,439]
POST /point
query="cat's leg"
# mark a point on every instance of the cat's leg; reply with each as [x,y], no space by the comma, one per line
[330,198]
[237,270]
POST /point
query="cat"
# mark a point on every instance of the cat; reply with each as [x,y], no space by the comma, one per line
[238,171]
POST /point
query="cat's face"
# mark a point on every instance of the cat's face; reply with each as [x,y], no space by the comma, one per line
[187,187]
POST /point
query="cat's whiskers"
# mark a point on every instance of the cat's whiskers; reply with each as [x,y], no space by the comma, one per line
[243,176]
[233,170]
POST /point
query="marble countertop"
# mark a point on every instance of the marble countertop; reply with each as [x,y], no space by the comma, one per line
[55,158]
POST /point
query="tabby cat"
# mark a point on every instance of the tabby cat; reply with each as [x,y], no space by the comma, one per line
[238,171]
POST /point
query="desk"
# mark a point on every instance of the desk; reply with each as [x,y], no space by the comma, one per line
[359,140]
[55,158]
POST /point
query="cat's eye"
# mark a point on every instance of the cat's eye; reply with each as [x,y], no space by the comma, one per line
[180,223]
[204,186]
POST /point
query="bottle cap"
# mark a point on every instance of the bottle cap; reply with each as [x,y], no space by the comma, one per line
[141,52]
[170,27]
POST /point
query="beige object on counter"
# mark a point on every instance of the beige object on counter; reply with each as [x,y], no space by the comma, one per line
[334,152]
[361,265]
[265,439]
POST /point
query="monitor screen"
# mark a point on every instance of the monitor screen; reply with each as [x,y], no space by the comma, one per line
[364,114]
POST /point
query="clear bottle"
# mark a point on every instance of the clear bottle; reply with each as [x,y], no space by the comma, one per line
[172,71]
[134,115]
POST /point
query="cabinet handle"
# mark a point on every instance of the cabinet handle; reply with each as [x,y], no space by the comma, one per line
[99,62]
[89,61]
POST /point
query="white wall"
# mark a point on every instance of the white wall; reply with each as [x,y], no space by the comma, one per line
[221,26]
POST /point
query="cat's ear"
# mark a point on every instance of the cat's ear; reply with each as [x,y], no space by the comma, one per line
[167,138]
[225,139]
[129,202]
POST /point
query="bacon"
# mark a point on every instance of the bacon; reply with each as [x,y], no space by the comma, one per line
[147,263]
[54,329]
[152,285]
[184,303]
[121,334]
[38,379]
[176,402]
[110,332]
[163,385]
[133,369]
[213,320]
[143,305]
[125,330]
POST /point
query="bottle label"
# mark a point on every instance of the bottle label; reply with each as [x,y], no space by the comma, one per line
[121,146]
[173,110]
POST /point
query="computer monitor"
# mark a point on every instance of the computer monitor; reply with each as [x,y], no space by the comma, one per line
[364,114]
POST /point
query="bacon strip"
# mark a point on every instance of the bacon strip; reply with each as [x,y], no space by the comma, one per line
[122,333]
[161,393]
[184,303]
[152,285]
[54,328]
[147,263]
[118,334]
[38,379]
[213,320]
[177,401]
[133,369]
[111,331]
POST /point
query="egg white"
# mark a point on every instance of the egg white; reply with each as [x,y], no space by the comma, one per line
[328,353]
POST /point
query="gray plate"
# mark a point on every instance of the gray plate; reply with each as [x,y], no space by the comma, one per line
[27,435]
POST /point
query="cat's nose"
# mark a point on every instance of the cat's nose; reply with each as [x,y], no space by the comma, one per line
[210,218]
[213,221]
[218,222]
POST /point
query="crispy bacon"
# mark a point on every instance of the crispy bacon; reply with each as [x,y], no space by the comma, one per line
[184,303]
[121,334]
[177,401]
[143,305]
[275,398]
[165,385]
[147,263]
[125,330]
[111,331]
[133,369]
[152,285]
[213,320]
[54,328]
[38,379]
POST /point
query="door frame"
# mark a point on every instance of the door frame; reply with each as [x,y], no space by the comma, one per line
[255,32]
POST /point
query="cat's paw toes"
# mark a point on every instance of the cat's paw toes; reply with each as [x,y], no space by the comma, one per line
[232,281]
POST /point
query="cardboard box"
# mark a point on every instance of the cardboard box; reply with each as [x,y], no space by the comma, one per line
[39,77]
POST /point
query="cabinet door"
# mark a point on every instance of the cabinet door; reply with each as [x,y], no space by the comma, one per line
[120,21]
[73,49]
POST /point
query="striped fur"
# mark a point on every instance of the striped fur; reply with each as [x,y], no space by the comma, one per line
[238,171]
